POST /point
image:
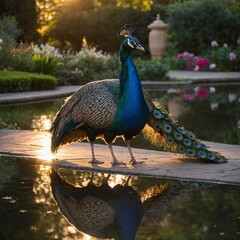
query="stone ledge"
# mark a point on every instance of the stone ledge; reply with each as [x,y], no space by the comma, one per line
[183,78]
[35,145]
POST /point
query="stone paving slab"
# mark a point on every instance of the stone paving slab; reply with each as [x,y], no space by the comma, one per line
[32,96]
[208,76]
[32,144]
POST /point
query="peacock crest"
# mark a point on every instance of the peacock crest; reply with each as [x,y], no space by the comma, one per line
[126,30]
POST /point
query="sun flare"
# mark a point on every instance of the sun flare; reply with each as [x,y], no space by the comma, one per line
[44,153]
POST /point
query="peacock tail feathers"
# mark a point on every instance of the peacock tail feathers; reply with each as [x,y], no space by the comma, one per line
[162,131]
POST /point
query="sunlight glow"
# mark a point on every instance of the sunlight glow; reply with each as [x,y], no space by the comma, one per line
[41,186]
[117,179]
[44,153]
[86,237]
[42,123]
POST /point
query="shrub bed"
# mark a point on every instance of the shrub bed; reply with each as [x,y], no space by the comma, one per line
[11,81]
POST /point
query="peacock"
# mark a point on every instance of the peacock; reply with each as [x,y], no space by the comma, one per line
[117,212]
[112,108]
[99,211]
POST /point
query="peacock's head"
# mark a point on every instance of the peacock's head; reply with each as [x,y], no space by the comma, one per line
[130,42]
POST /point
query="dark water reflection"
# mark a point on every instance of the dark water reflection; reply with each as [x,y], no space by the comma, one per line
[38,202]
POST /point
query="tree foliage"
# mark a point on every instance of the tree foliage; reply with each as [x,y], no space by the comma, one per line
[24,12]
[98,28]
[194,24]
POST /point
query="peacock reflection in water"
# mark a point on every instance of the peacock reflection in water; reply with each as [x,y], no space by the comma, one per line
[106,212]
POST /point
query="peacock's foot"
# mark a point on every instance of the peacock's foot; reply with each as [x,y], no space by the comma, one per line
[133,161]
[95,161]
[116,162]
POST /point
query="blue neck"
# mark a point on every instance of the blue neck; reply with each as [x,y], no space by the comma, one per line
[129,79]
[132,112]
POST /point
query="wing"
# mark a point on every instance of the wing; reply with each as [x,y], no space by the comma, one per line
[94,104]
[81,207]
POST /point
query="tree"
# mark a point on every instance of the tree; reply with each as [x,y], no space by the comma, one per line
[25,14]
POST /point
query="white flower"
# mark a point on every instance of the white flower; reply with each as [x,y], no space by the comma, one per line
[196,89]
[1,40]
[172,90]
[225,45]
[214,106]
[232,97]
[212,66]
[196,68]
[212,89]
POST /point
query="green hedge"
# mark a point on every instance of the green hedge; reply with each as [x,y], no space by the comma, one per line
[11,81]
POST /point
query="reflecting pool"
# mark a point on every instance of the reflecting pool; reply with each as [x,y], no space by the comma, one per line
[39,202]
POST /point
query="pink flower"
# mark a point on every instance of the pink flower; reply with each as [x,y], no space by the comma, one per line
[174,91]
[180,57]
[189,97]
[203,63]
[232,56]
[214,44]
[203,93]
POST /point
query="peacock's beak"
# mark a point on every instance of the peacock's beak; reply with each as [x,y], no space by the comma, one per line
[140,47]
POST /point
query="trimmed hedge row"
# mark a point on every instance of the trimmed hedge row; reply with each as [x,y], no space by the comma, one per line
[11,81]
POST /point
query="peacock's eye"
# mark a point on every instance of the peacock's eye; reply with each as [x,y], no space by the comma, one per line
[131,43]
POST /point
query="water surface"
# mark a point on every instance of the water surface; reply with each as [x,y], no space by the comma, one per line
[171,209]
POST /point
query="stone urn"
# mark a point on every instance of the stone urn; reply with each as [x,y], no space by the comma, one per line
[157,37]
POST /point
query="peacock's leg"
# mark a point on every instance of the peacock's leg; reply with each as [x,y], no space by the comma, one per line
[115,161]
[94,160]
[133,160]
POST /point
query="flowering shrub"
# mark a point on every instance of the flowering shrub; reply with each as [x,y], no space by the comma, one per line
[86,65]
[220,58]
[224,57]
[45,59]
[191,62]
